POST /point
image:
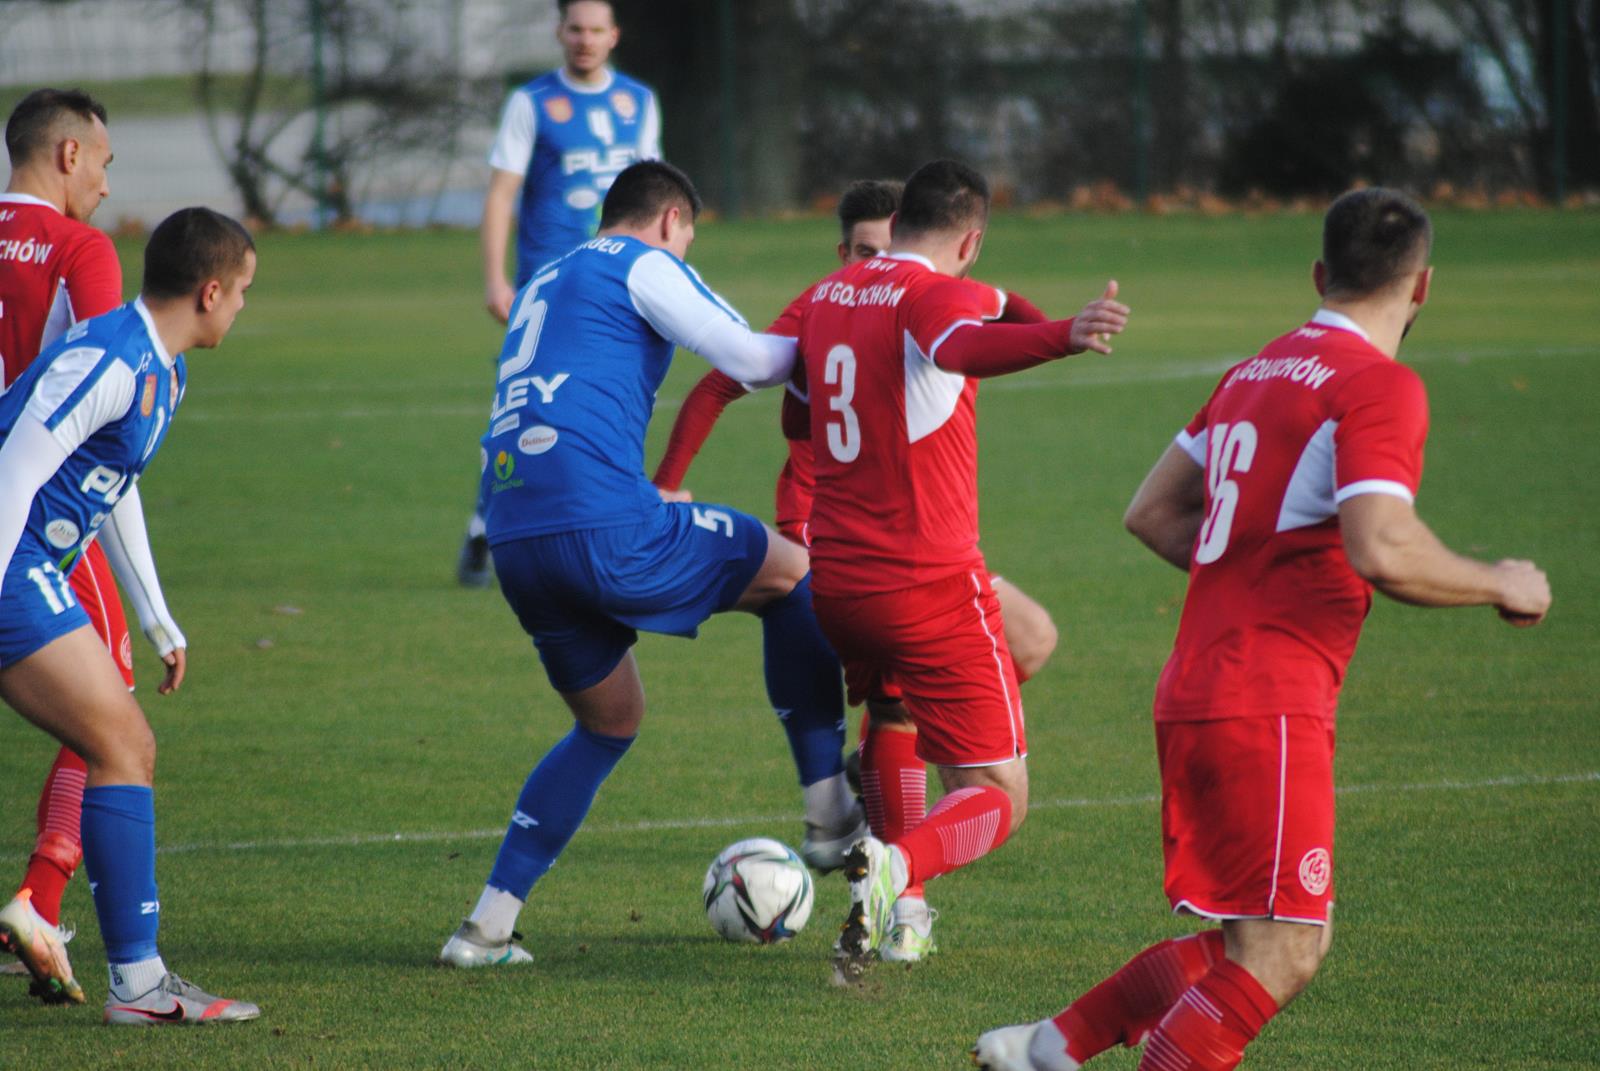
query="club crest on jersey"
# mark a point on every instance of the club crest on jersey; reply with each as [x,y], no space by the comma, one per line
[625,106]
[147,401]
[1316,870]
[559,109]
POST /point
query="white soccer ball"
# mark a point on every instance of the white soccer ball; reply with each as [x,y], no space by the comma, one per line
[758,890]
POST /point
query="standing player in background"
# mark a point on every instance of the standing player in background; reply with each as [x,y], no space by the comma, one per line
[588,553]
[895,785]
[893,347]
[76,431]
[1286,499]
[56,270]
[563,138]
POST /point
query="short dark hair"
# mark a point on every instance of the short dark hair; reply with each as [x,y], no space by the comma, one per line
[944,195]
[867,199]
[191,247]
[1371,238]
[645,190]
[562,5]
[36,116]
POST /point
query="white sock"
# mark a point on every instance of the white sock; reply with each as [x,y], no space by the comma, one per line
[476,526]
[1047,1050]
[830,804]
[899,873]
[132,980]
[496,914]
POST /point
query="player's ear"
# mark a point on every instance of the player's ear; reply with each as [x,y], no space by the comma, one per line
[1419,291]
[844,253]
[668,219]
[68,152]
[210,292]
[1319,278]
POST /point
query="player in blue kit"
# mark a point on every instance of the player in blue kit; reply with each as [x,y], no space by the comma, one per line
[587,552]
[76,430]
[563,138]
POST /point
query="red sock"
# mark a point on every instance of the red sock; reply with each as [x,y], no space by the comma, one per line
[967,823]
[894,786]
[1209,1026]
[1130,1004]
[59,846]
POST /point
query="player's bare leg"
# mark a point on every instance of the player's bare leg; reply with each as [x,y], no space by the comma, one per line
[1030,632]
[72,690]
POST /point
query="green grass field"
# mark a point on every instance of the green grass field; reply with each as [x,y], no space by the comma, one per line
[334,775]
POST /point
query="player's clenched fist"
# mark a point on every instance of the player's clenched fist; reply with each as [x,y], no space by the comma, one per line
[1525,592]
[1100,319]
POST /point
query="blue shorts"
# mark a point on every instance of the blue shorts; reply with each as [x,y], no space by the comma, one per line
[36,607]
[583,595]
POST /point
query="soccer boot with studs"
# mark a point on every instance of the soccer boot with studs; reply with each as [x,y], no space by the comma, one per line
[910,937]
[174,1002]
[42,950]
[468,947]
[868,867]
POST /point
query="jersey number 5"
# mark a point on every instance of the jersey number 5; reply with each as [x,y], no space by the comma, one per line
[844,435]
[1233,449]
[530,317]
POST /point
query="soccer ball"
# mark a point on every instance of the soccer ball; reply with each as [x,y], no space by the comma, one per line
[758,890]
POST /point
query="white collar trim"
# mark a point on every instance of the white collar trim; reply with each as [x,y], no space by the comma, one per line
[155,336]
[1329,318]
[576,87]
[27,199]
[915,258]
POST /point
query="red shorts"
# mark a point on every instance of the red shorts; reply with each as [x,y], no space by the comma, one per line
[942,646]
[96,591]
[1247,817]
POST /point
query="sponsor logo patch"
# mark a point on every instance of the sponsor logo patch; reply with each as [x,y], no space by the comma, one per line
[537,439]
[625,105]
[62,533]
[504,465]
[147,401]
[125,650]
[559,109]
[1316,870]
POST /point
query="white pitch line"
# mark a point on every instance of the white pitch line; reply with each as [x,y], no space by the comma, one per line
[669,824]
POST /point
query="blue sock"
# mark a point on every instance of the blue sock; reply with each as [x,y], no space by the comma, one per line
[803,684]
[553,803]
[119,855]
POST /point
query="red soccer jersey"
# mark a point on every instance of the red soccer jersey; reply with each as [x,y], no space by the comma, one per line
[54,271]
[1274,609]
[894,436]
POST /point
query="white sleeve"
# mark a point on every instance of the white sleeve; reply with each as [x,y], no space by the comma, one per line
[674,301]
[108,398]
[513,143]
[28,458]
[650,130]
[127,546]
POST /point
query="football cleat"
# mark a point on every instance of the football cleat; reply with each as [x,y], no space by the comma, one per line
[825,850]
[473,569]
[910,936]
[468,947]
[1005,1049]
[872,895]
[40,946]
[174,1002]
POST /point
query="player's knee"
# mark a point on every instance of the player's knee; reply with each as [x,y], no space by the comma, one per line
[1035,642]
[126,752]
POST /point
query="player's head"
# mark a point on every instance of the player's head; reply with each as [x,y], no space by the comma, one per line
[945,208]
[1375,244]
[203,261]
[587,32]
[59,137]
[655,202]
[865,208]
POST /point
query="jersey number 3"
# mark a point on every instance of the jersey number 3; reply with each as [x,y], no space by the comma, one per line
[844,435]
[1233,449]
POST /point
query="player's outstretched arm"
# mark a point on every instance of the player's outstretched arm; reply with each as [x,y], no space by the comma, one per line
[30,456]
[1002,347]
[127,545]
[1169,507]
[1390,547]
[696,417]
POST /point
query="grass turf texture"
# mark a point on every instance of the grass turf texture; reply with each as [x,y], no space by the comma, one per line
[344,691]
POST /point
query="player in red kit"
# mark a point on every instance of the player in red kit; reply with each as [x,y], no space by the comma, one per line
[1287,499]
[893,347]
[56,270]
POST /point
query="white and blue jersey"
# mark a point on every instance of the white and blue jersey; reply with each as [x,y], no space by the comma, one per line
[569,142]
[105,392]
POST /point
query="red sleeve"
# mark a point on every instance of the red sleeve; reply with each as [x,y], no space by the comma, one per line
[984,350]
[1019,310]
[93,275]
[1382,427]
[696,417]
[939,307]
[788,322]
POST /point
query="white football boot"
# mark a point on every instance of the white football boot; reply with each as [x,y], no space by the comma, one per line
[468,947]
[42,950]
[910,937]
[824,850]
[174,1002]
[869,869]
[1025,1047]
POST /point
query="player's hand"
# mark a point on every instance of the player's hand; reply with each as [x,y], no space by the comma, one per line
[1100,319]
[1524,592]
[177,665]
[682,494]
[498,298]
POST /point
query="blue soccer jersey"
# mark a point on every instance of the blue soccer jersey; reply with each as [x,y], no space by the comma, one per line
[589,342]
[569,142]
[106,392]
